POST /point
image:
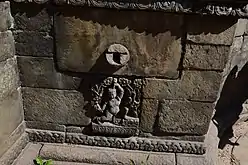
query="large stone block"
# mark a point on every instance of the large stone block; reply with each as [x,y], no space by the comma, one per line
[184,117]
[31,18]
[6,19]
[148,114]
[7,48]
[55,106]
[34,44]
[194,85]
[41,72]
[11,116]
[211,30]
[189,159]
[97,155]
[209,57]
[82,41]
[9,78]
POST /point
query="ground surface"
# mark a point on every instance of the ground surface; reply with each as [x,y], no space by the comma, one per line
[236,154]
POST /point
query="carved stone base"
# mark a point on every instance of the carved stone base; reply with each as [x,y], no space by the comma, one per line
[134,143]
[114,130]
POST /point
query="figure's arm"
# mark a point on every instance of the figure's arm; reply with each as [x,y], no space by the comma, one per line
[120,92]
[104,106]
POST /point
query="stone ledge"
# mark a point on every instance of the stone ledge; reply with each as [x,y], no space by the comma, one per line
[133,143]
[214,8]
[29,153]
[9,157]
[12,138]
[97,155]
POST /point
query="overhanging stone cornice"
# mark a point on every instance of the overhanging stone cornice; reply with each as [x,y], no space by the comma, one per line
[204,7]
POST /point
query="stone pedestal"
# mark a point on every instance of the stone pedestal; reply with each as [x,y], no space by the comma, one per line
[122,76]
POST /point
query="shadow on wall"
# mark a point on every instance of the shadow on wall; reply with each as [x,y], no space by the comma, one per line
[229,106]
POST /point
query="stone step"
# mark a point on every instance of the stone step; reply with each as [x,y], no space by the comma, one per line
[30,152]
[71,163]
[99,155]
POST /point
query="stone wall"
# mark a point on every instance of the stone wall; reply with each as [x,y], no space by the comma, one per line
[11,112]
[57,92]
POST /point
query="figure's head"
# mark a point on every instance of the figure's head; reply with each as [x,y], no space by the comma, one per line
[112,93]
[115,80]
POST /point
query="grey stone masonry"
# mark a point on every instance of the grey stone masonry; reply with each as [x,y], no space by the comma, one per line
[11,113]
[49,103]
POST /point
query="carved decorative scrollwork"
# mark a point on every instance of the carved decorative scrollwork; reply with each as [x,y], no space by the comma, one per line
[179,6]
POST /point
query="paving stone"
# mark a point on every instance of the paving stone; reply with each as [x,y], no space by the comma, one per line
[189,159]
[34,44]
[72,163]
[8,135]
[7,48]
[154,50]
[64,107]
[28,155]
[19,144]
[201,30]
[194,85]
[184,117]
[97,155]
[240,152]
[41,72]
[6,20]
[207,57]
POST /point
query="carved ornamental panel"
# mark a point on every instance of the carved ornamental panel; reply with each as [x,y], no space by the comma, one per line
[117,102]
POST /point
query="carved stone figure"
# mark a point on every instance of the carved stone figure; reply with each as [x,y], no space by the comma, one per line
[116,102]
[111,107]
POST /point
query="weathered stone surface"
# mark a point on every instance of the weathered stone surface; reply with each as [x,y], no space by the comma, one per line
[148,114]
[55,106]
[45,126]
[189,159]
[205,57]
[9,157]
[32,18]
[71,163]
[103,155]
[239,151]
[152,144]
[33,44]
[41,72]
[6,19]
[74,129]
[9,137]
[211,30]
[7,48]
[234,57]
[184,117]
[9,79]
[241,27]
[37,135]
[154,50]
[28,155]
[11,116]
[194,85]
